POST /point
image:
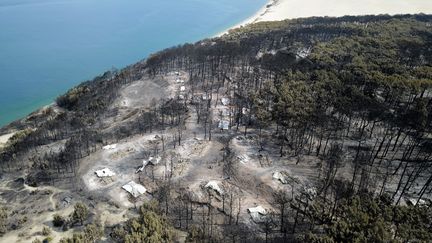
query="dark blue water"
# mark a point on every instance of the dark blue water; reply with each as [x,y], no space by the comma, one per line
[48,46]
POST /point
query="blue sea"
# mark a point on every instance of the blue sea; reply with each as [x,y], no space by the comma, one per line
[49,46]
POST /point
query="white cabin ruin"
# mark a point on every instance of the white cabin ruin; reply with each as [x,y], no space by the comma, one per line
[225,101]
[280,177]
[257,213]
[134,189]
[105,172]
[151,160]
[213,185]
[108,147]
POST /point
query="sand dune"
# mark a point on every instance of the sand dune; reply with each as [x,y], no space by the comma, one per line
[283,9]
[289,9]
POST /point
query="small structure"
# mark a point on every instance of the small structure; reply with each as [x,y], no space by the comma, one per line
[154,160]
[214,186]
[111,146]
[279,176]
[310,191]
[257,213]
[245,111]
[105,172]
[303,52]
[134,189]
[180,81]
[413,201]
[182,88]
[225,101]
[223,125]
[66,201]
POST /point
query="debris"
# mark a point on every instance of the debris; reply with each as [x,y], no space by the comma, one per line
[226,112]
[303,52]
[310,191]
[104,173]
[225,101]
[223,125]
[141,168]
[243,158]
[214,186]
[279,176]
[245,111]
[257,213]
[66,201]
[257,209]
[151,160]
[108,147]
[413,201]
[154,160]
[134,189]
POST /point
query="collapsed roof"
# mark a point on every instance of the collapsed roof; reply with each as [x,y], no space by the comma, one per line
[214,186]
[257,213]
[279,176]
[134,189]
[105,172]
[111,146]
[151,160]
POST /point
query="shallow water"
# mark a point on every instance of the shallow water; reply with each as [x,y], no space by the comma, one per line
[48,46]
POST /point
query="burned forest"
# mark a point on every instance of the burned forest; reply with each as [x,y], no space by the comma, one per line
[304,130]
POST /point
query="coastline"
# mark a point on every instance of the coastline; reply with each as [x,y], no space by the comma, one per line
[254,18]
[275,10]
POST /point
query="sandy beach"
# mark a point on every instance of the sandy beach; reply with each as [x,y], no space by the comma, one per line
[290,9]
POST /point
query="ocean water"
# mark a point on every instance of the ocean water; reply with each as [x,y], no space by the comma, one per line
[49,46]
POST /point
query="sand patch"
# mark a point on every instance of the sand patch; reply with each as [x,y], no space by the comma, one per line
[4,138]
[290,9]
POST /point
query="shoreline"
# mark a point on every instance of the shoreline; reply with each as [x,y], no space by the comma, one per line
[252,19]
[275,10]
